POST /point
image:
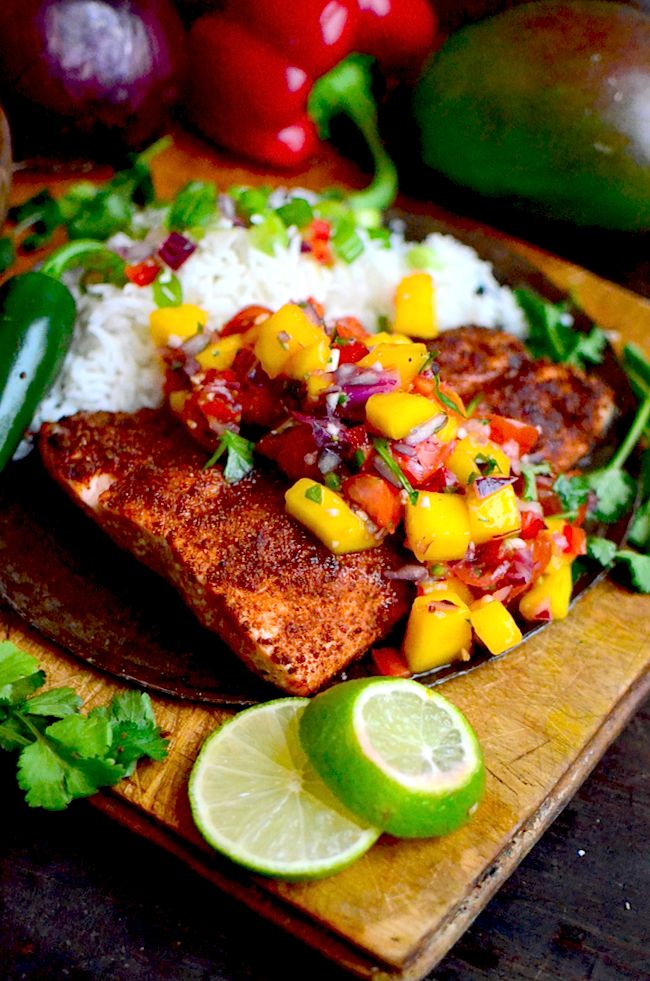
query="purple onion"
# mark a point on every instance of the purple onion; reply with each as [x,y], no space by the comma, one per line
[321,429]
[194,345]
[175,250]
[484,486]
[419,433]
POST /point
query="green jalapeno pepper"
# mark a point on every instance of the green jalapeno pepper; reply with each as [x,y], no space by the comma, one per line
[37,315]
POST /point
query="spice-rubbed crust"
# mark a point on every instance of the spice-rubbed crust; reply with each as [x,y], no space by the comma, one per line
[295,613]
[571,410]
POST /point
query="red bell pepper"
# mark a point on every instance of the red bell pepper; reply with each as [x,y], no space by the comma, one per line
[267,77]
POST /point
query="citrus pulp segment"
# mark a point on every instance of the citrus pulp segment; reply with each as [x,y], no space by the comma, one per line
[255,797]
[397,754]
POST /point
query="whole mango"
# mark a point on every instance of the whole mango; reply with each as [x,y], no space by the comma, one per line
[547,105]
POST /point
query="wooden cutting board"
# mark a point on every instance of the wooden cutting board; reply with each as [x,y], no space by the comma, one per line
[544,715]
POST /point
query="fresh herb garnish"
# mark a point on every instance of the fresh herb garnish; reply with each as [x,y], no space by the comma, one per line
[601,549]
[551,334]
[333,481]
[63,753]
[383,450]
[315,494]
[239,456]
[530,472]
[444,399]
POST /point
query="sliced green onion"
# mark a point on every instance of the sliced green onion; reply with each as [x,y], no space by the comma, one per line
[193,207]
[381,235]
[346,242]
[423,257]
[251,200]
[87,254]
[269,234]
[296,212]
[167,290]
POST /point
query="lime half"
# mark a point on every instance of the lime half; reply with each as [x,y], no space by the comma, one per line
[398,755]
[256,798]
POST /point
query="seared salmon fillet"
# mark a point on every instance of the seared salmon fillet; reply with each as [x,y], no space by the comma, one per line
[571,410]
[295,613]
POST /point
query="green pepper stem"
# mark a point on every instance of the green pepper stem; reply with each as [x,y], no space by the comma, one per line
[346,90]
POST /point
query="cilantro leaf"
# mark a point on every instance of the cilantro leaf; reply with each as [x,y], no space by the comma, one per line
[615,491]
[601,549]
[76,754]
[314,493]
[529,472]
[638,569]
[444,399]
[639,535]
[573,492]
[19,676]
[56,703]
[551,334]
[239,456]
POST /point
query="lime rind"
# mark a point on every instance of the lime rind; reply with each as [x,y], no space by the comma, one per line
[340,746]
[256,798]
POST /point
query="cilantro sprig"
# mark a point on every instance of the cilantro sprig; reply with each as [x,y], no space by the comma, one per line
[551,334]
[239,456]
[64,754]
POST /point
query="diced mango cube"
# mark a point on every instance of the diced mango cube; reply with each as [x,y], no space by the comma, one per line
[318,383]
[494,515]
[176,323]
[407,358]
[550,596]
[494,625]
[449,430]
[438,631]
[328,517]
[464,466]
[384,337]
[221,353]
[415,310]
[395,414]
[437,527]
[450,585]
[281,335]
[308,359]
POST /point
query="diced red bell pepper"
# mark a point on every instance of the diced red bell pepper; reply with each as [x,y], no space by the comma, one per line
[379,499]
[295,451]
[350,327]
[503,429]
[576,539]
[389,661]
[352,352]
[142,273]
[531,524]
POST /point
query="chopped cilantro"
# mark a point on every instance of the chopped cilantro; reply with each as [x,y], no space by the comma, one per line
[315,494]
[573,492]
[167,289]
[601,549]
[640,528]
[333,481]
[638,569]
[529,472]
[444,399]
[64,754]
[239,456]
[551,334]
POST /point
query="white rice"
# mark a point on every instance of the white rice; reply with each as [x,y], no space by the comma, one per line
[112,363]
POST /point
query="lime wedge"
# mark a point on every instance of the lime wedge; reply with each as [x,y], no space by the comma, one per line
[255,797]
[398,755]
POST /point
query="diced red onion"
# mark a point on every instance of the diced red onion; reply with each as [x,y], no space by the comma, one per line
[191,367]
[329,461]
[195,344]
[408,573]
[384,470]
[325,431]
[312,314]
[405,450]
[485,486]
[175,250]
[419,433]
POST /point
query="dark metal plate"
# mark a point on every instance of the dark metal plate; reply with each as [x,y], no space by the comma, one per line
[70,582]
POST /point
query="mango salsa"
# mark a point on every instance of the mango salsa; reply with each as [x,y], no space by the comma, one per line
[494,625]
[328,517]
[395,414]
[492,516]
[415,306]
[437,527]
[438,631]
[283,334]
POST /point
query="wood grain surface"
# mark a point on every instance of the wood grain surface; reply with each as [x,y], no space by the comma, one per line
[544,715]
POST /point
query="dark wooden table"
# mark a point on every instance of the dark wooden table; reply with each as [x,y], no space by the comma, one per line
[82,898]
